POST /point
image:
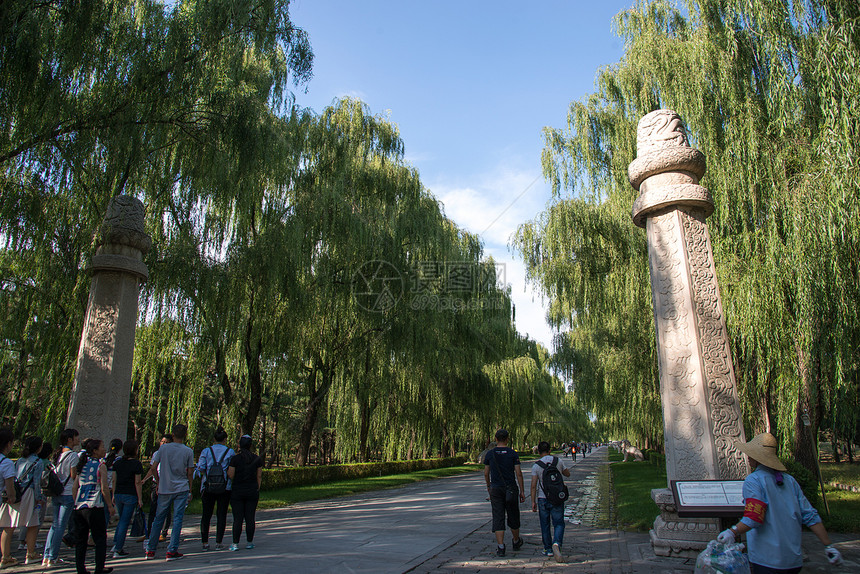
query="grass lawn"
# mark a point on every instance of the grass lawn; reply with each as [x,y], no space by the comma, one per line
[842,472]
[287,496]
[632,483]
[844,505]
[634,510]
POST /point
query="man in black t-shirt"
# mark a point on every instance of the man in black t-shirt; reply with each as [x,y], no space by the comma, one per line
[505,486]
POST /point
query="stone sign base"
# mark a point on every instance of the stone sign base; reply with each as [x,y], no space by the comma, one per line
[679,537]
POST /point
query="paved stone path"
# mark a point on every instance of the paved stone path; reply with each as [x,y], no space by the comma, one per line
[434,526]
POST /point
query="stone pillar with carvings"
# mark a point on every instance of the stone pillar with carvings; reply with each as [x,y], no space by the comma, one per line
[701,413]
[100,395]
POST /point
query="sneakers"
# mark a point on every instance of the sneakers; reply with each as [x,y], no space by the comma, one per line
[120,553]
[149,555]
[500,550]
[234,547]
[250,546]
[518,543]
[174,556]
[219,547]
[205,547]
[21,546]
[546,552]
[556,552]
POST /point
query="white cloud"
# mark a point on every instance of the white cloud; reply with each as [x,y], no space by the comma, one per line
[530,308]
[493,206]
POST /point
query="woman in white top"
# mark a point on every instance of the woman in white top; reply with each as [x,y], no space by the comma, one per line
[7,489]
[29,469]
[65,463]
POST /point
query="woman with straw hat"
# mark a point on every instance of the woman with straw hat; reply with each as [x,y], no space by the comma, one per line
[775,510]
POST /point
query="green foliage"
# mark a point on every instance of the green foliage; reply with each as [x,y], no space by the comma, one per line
[306,475]
[768,94]
[807,480]
[262,216]
[655,458]
[844,511]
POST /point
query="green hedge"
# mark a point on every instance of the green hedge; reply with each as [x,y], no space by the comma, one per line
[807,480]
[274,478]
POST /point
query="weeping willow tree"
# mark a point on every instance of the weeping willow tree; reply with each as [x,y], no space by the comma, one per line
[770,97]
[261,214]
[98,99]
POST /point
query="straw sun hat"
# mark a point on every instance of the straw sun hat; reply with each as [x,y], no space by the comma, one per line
[763,449]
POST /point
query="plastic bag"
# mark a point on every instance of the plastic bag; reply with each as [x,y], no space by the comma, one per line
[722,558]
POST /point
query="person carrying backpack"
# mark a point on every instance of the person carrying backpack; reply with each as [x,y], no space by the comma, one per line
[215,487]
[65,465]
[549,494]
[504,480]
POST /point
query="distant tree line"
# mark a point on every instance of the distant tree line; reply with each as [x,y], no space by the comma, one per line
[305,287]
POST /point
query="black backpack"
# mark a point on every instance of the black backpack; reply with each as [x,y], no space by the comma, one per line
[20,487]
[216,480]
[51,483]
[552,483]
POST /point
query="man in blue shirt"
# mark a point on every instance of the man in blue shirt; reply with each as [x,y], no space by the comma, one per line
[505,486]
[774,512]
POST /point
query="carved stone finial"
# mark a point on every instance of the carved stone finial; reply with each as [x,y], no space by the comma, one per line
[124,224]
[666,170]
[659,129]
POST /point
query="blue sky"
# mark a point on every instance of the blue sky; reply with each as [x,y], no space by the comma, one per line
[470,85]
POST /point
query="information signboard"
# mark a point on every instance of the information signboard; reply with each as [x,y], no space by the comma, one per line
[708,498]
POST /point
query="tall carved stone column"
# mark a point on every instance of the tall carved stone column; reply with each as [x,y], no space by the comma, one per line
[701,414]
[100,395]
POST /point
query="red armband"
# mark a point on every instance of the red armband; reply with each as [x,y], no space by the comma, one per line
[755,510]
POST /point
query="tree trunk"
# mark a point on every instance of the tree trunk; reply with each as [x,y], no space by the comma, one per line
[410,455]
[253,350]
[316,395]
[262,449]
[364,430]
[221,375]
[834,443]
[806,437]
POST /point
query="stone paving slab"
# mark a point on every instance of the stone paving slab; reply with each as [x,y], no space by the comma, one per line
[434,526]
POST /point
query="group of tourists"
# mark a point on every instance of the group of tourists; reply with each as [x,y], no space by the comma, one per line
[89,483]
[775,507]
[573,448]
[504,479]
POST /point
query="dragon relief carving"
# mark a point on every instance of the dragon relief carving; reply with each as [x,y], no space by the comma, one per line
[676,371]
[660,129]
[716,355]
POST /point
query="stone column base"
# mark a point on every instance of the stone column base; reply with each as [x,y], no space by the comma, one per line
[679,537]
